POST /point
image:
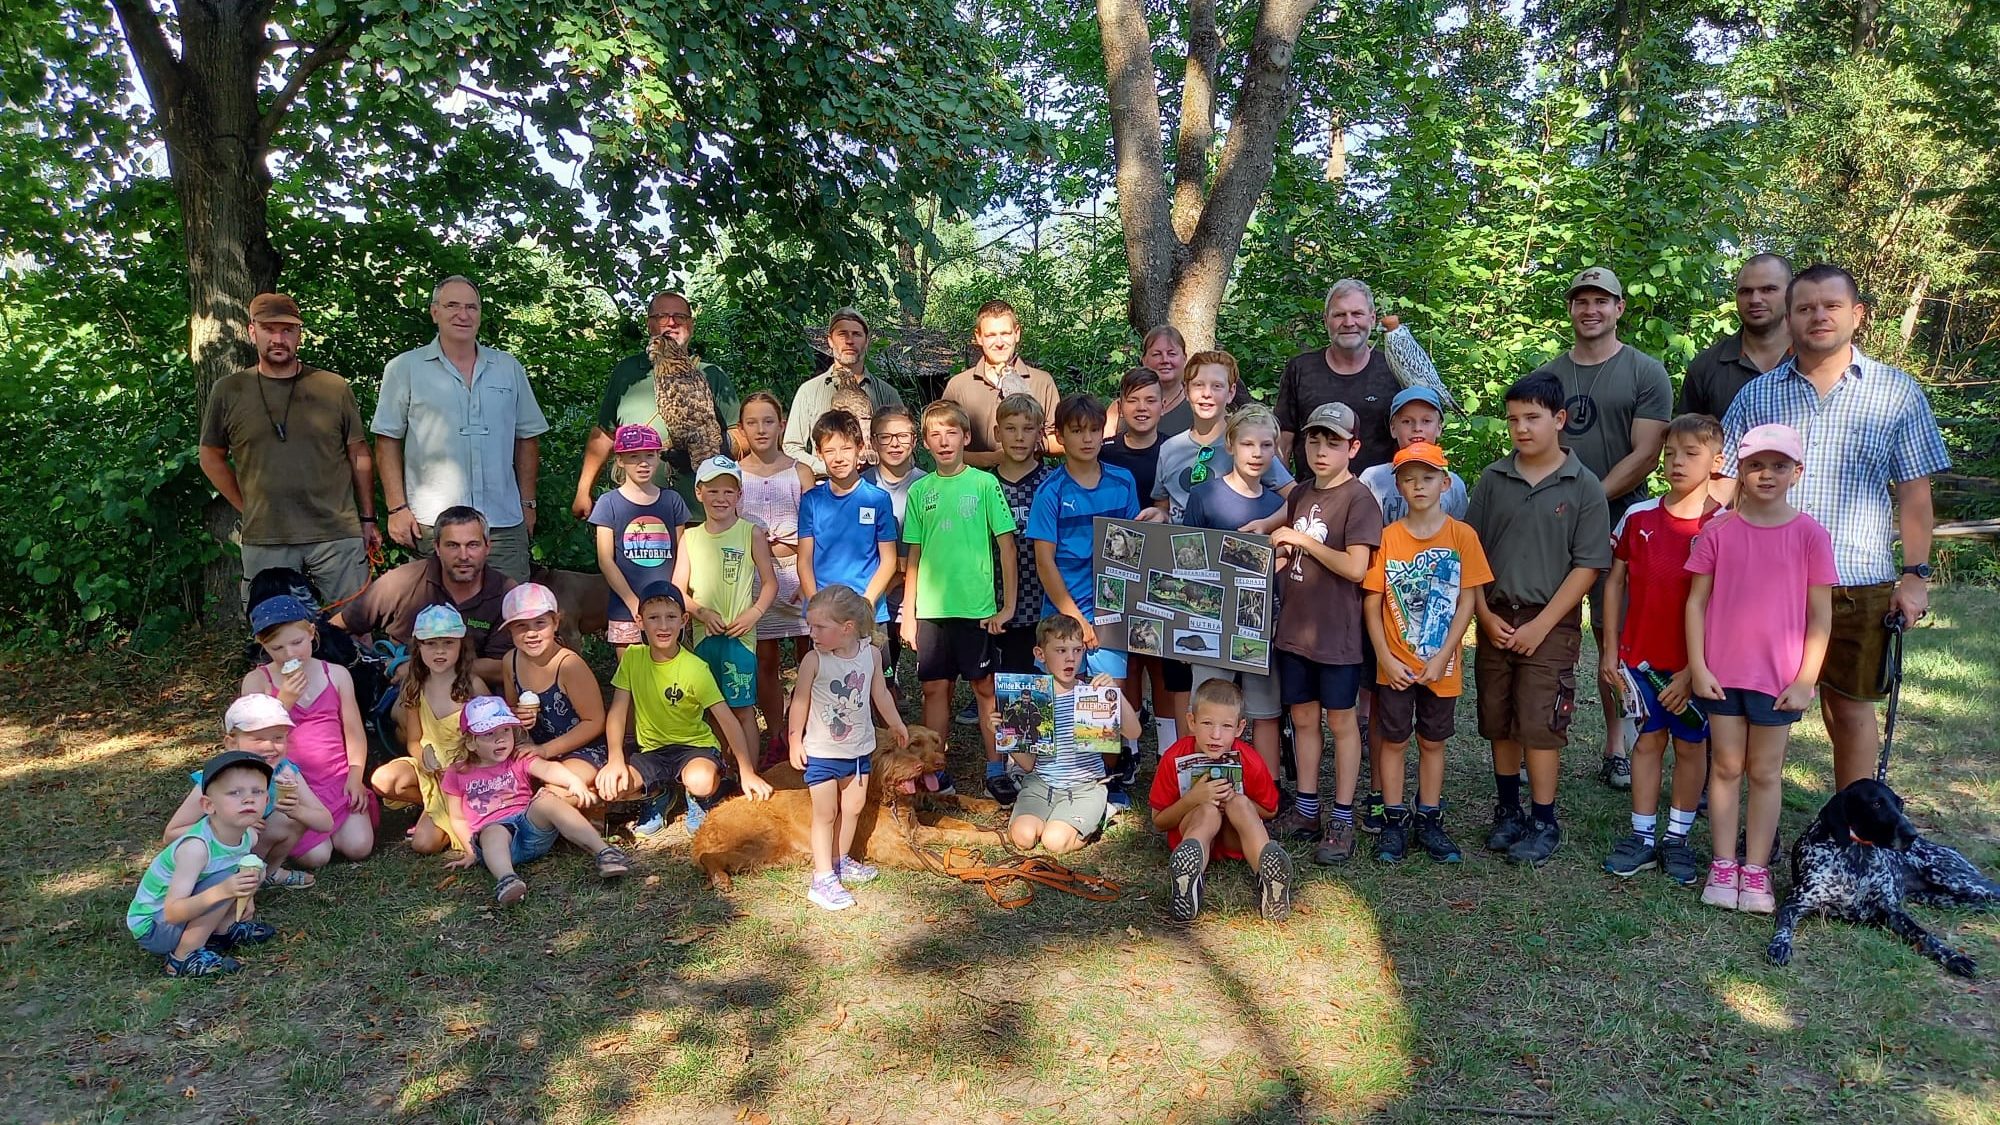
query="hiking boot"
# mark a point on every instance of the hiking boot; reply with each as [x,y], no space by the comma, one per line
[1722,884]
[1753,893]
[1184,876]
[1537,845]
[1679,861]
[1632,855]
[1337,846]
[1274,882]
[1616,771]
[1432,837]
[1394,841]
[1373,814]
[1295,825]
[1509,825]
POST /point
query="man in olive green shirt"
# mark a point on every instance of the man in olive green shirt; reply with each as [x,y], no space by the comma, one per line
[847,338]
[630,398]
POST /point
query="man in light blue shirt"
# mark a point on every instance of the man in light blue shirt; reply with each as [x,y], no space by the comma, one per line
[456,424]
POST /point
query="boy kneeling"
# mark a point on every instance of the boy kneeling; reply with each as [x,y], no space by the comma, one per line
[1208,813]
[1064,802]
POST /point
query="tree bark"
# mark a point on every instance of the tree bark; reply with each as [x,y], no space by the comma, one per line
[1196,133]
[1132,86]
[1913,312]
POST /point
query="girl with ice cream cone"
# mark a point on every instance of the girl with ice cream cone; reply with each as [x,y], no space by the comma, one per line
[553,692]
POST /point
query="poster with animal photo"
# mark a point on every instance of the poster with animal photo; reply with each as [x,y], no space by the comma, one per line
[1025,705]
[1185,593]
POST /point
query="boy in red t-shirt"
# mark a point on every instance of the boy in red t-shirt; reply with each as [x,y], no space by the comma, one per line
[1650,551]
[1213,793]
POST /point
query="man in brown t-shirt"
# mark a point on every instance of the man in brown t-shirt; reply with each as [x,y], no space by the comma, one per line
[456,575]
[284,444]
[1000,372]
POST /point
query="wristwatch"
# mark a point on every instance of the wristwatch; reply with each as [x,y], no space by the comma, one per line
[529,504]
[1921,570]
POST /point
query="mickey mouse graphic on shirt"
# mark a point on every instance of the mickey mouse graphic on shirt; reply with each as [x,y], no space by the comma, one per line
[849,694]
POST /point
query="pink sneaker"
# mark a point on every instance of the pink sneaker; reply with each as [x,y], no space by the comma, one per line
[1755,893]
[1723,882]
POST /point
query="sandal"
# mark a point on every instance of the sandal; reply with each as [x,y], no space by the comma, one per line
[510,890]
[289,878]
[203,962]
[612,862]
[241,933]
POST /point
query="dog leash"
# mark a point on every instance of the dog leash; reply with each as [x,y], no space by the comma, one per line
[1892,674]
[1011,883]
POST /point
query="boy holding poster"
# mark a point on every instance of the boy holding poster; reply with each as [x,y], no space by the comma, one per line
[1063,801]
[1212,795]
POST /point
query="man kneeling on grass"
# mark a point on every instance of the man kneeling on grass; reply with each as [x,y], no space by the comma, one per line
[1212,794]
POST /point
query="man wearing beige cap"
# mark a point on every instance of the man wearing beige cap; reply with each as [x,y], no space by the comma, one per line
[284,444]
[1618,401]
[847,341]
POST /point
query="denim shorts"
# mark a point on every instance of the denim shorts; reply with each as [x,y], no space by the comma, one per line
[597,754]
[835,769]
[1758,707]
[165,936]
[1658,717]
[530,841]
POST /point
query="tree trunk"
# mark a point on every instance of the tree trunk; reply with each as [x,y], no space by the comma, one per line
[1914,311]
[1336,150]
[1179,269]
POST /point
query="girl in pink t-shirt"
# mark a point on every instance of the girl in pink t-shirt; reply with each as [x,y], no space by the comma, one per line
[1758,617]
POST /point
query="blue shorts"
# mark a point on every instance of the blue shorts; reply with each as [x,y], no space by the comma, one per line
[1335,687]
[597,754]
[530,841]
[165,936]
[734,663]
[1659,718]
[1742,703]
[836,769]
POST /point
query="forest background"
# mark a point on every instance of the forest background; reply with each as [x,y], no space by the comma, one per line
[1100,167]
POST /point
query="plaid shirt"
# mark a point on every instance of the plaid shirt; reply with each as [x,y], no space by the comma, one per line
[1020,496]
[1874,430]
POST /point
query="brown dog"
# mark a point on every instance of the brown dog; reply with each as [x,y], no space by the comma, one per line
[743,835]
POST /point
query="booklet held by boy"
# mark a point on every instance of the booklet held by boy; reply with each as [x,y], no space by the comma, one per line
[1227,766]
[1025,705]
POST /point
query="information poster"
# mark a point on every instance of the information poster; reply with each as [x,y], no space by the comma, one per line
[1185,593]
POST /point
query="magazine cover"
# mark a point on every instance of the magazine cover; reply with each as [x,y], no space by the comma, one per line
[1096,723]
[1025,705]
[1195,767]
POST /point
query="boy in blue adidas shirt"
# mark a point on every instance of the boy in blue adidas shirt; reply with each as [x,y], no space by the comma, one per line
[847,527]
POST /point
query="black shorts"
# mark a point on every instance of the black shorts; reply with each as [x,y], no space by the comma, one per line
[1179,674]
[663,767]
[1335,687]
[1413,710]
[953,648]
[1015,649]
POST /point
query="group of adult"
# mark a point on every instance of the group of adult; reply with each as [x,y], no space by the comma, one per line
[457,442]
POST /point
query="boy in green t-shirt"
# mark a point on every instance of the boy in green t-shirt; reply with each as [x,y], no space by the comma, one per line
[672,696]
[959,528]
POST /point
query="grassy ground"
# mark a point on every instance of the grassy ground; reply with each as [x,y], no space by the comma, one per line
[1407,995]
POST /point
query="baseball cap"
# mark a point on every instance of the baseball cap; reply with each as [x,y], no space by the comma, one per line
[230,759]
[717,466]
[848,312]
[485,714]
[1336,417]
[283,609]
[661,589]
[256,711]
[637,439]
[274,308]
[1421,453]
[1596,277]
[436,622]
[1408,395]
[1772,437]
[528,600]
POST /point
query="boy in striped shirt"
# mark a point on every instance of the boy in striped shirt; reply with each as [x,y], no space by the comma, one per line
[1063,801]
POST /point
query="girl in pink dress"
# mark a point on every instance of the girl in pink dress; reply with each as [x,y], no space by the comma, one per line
[772,485]
[327,742]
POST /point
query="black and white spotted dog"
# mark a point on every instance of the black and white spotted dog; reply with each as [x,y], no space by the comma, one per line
[1862,859]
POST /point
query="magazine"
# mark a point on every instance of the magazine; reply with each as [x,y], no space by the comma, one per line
[1194,767]
[1095,728]
[1025,705]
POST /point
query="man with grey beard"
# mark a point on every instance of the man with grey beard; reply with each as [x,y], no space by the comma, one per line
[1348,370]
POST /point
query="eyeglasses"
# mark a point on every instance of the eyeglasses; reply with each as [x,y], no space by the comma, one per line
[460,306]
[892,438]
[672,317]
[1199,473]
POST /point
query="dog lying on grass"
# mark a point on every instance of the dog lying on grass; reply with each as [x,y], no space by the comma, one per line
[743,835]
[1862,859]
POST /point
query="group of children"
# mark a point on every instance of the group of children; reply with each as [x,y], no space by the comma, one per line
[1723,624]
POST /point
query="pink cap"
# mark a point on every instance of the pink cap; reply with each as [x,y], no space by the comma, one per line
[1772,437]
[636,439]
[529,599]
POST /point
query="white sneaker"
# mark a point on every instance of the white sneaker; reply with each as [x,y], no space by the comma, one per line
[826,891]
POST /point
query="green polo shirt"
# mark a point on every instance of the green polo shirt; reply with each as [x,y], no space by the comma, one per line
[1535,534]
[629,400]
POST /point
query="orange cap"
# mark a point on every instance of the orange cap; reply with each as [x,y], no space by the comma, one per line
[1422,453]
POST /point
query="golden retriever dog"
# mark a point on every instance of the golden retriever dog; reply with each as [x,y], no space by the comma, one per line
[743,835]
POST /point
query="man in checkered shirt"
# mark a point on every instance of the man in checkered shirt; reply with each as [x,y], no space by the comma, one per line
[1871,443]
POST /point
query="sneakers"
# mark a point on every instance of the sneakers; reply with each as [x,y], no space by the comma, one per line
[696,813]
[1432,837]
[1126,771]
[1722,888]
[203,962]
[852,872]
[653,815]
[1537,845]
[1003,788]
[1373,814]
[1337,846]
[1509,825]
[1394,841]
[1295,825]
[826,891]
[1274,882]
[944,786]
[1632,855]
[1679,861]
[1116,800]
[1616,771]
[1753,894]
[967,716]
[1185,869]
